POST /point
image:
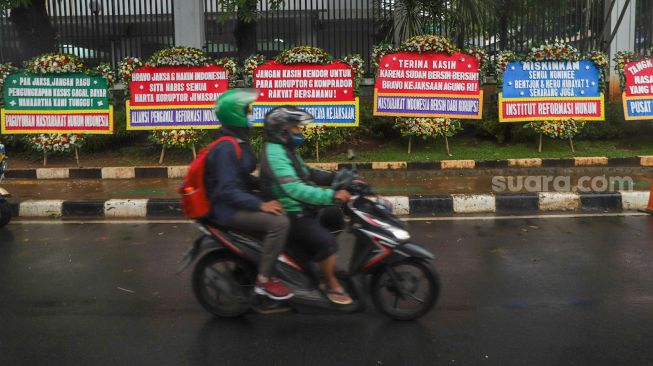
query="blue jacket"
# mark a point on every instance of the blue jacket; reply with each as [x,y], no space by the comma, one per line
[229,182]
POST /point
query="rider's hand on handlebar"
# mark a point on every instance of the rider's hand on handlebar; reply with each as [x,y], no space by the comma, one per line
[342,196]
[273,207]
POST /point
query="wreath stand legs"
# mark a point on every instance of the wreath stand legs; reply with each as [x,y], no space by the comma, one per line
[539,147]
[45,159]
[192,148]
[571,144]
[163,154]
[77,156]
[446,144]
[410,143]
[317,150]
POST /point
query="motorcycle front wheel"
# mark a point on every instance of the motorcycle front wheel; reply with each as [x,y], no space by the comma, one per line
[223,284]
[405,290]
[5,212]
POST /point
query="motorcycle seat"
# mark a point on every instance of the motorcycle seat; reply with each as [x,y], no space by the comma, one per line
[226,229]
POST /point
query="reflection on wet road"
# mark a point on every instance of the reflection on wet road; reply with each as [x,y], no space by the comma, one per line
[515,292]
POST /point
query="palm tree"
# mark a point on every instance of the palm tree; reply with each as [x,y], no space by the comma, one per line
[449,17]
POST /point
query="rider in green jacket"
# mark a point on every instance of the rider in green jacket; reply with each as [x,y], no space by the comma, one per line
[296,187]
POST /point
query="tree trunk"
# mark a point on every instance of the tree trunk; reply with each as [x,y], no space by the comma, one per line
[245,32]
[35,32]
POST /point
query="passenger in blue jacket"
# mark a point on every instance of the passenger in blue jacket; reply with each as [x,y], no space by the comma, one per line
[230,187]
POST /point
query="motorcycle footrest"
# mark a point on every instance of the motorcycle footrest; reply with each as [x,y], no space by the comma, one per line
[265,305]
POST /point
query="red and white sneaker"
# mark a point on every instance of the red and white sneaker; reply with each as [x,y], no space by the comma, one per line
[273,288]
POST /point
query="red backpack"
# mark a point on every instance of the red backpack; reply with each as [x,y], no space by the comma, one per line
[194,199]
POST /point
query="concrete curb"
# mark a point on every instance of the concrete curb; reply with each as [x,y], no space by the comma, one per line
[404,205]
[177,172]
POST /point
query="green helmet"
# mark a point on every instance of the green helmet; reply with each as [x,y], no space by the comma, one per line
[231,107]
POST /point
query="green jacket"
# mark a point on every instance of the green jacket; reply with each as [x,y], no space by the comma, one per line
[286,183]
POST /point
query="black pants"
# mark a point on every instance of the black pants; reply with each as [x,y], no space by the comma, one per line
[309,239]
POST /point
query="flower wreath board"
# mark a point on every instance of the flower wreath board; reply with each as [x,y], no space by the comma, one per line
[56,95]
[429,77]
[176,89]
[310,79]
[553,82]
[636,71]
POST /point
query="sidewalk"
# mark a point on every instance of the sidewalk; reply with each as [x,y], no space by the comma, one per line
[390,183]
[414,192]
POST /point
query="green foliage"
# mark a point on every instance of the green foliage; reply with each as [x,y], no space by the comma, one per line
[8,4]
[245,9]
[376,127]
[330,138]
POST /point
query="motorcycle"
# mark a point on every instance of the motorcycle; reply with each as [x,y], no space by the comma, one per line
[384,265]
[5,207]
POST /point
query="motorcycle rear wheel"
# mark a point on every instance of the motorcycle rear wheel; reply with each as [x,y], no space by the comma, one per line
[412,274]
[5,212]
[223,284]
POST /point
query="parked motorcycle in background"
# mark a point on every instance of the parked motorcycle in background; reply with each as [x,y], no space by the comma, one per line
[5,207]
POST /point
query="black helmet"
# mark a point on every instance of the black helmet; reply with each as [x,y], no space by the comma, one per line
[279,120]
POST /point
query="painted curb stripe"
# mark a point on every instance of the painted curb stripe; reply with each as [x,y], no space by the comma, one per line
[432,205]
[83,208]
[528,202]
[85,173]
[417,165]
[164,208]
[631,161]
[175,172]
[491,164]
[151,172]
[607,202]
[404,205]
[474,203]
[360,166]
[43,208]
[20,174]
[558,163]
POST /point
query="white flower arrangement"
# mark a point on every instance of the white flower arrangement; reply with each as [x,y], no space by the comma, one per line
[54,142]
[304,55]
[55,63]
[126,68]
[179,56]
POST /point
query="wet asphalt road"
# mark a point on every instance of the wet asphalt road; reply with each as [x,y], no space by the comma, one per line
[572,291]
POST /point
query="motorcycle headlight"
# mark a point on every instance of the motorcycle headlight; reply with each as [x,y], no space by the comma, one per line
[399,234]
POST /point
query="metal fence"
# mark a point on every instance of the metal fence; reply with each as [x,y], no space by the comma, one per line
[355,26]
[9,46]
[108,30]
[520,25]
[101,30]
[339,26]
[644,25]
